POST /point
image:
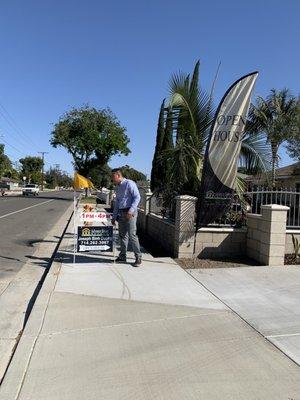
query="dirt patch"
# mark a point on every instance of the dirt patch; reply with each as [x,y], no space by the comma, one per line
[88,200]
[289,259]
[196,263]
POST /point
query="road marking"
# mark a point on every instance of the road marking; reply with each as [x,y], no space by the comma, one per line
[27,208]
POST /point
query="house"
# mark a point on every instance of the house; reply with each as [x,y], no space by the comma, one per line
[287,177]
[10,184]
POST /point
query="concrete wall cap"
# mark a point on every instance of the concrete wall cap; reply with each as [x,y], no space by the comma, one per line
[257,216]
[275,207]
[186,197]
[222,230]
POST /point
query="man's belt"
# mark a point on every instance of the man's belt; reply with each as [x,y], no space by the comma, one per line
[124,209]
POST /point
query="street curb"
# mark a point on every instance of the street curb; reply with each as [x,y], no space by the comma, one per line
[16,371]
[25,288]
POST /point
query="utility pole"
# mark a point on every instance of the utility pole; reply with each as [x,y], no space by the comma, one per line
[43,158]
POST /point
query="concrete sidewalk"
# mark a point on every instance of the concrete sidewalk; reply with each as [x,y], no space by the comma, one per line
[101,331]
[268,298]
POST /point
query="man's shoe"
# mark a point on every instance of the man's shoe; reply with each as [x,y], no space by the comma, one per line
[138,262]
[120,260]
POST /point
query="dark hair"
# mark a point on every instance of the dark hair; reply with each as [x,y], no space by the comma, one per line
[117,170]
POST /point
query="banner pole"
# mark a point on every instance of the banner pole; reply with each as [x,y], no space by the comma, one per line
[74,226]
[114,241]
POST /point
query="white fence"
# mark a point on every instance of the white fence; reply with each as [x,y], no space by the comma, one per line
[285,197]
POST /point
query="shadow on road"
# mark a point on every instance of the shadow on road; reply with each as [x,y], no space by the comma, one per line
[46,198]
[31,243]
[41,261]
[66,235]
[11,258]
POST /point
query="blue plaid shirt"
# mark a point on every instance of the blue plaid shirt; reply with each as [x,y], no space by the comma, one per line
[127,196]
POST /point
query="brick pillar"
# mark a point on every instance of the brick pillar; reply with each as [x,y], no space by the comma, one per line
[273,234]
[184,226]
[143,212]
[147,203]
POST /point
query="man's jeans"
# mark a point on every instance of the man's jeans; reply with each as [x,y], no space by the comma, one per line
[127,232]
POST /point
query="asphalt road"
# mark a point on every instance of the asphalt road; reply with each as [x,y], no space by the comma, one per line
[24,222]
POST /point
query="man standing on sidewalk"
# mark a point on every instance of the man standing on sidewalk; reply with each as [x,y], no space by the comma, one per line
[125,212]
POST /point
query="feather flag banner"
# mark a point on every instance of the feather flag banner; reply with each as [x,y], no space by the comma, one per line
[80,182]
[223,149]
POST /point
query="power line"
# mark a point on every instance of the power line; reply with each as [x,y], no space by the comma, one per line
[18,150]
[10,120]
[25,138]
[15,148]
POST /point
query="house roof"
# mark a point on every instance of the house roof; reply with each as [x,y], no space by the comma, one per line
[5,179]
[283,172]
[288,170]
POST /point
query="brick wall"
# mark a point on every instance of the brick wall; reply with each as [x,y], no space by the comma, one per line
[221,242]
[157,229]
[265,239]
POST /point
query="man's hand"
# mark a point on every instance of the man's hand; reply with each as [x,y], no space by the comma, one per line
[113,222]
[129,215]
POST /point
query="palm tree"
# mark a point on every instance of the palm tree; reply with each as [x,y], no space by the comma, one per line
[274,118]
[193,112]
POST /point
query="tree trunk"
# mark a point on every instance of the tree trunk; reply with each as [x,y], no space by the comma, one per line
[274,148]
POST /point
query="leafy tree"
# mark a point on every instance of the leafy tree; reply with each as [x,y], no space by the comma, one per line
[276,118]
[100,175]
[293,148]
[91,136]
[156,170]
[5,163]
[54,177]
[164,162]
[133,174]
[161,164]
[31,167]
[293,143]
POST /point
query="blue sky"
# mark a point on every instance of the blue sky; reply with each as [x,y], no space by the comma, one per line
[60,54]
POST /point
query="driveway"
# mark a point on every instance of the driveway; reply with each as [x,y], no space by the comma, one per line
[267,298]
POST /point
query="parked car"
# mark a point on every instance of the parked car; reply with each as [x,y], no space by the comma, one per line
[31,188]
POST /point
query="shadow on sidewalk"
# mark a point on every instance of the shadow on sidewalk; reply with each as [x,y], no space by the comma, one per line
[66,257]
[44,262]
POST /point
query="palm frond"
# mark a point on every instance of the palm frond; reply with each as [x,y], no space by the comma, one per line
[256,154]
[240,187]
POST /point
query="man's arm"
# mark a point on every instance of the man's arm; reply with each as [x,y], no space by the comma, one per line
[136,197]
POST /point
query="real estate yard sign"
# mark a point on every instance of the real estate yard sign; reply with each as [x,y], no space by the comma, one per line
[94,238]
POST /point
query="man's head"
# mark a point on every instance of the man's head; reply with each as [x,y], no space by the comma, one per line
[117,175]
